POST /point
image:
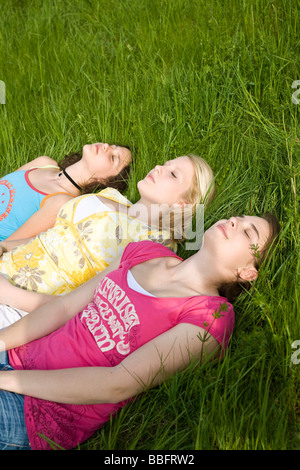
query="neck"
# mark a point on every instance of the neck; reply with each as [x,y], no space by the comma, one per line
[64,172]
[199,273]
[145,211]
[77,174]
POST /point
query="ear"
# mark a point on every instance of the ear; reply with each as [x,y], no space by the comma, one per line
[248,274]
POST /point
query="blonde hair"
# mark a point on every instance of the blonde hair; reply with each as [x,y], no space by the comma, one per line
[203,188]
[202,191]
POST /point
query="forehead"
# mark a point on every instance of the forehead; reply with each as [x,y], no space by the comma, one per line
[125,153]
[179,160]
[182,163]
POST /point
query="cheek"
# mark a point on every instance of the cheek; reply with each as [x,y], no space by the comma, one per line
[242,255]
[107,170]
[171,191]
[101,168]
[229,254]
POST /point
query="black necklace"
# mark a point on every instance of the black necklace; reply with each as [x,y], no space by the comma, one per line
[70,179]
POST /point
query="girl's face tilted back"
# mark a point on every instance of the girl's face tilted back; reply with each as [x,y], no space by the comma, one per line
[104,160]
[235,242]
[167,184]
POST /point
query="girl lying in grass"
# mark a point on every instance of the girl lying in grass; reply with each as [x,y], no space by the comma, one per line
[80,357]
[32,196]
[92,230]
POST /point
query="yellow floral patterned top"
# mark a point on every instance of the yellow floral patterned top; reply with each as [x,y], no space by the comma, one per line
[73,251]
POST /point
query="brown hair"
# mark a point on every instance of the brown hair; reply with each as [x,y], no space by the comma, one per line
[232,290]
[118,182]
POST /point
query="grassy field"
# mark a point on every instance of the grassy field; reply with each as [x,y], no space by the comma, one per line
[172,77]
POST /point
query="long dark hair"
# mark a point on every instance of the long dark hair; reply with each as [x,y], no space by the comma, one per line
[118,182]
[232,290]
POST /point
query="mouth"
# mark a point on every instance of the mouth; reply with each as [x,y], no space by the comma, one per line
[97,146]
[150,176]
[223,230]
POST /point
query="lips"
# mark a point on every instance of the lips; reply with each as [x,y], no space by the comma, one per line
[223,230]
[151,177]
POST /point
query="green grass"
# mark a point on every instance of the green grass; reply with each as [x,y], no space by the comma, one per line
[171,77]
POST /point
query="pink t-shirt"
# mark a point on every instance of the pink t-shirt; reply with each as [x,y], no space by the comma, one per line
[117,322]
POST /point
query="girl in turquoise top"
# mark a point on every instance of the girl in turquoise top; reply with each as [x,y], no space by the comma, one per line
[31,197]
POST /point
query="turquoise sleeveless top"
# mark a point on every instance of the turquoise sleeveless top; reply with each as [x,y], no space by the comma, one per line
[19,200]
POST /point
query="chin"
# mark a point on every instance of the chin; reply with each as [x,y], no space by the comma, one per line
[210,236]
[140,184]
[86,148]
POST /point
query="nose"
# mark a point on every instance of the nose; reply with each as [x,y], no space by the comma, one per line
[232,222]
[158,168]
[105,147]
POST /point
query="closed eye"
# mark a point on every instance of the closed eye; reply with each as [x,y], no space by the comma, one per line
[173,174]
[247,234]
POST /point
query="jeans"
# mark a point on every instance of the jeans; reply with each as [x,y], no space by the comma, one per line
[13,433]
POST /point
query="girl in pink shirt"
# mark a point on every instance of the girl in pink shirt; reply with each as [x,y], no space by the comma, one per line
[138,322]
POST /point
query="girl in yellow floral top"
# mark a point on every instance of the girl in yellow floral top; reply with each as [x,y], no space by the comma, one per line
[92,230]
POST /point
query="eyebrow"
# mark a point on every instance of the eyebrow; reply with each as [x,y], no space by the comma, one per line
[118,154]
[171,162]
[252,225]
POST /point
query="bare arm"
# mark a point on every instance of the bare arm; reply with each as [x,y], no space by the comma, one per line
[146,367]
[41,220]
[36,162]
[53,313]
[19,298]
[8,245]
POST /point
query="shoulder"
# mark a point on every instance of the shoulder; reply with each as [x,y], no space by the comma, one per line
[213,307]
[140,251]
[213,314]
[114,195]
[38,162]
[56,200]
